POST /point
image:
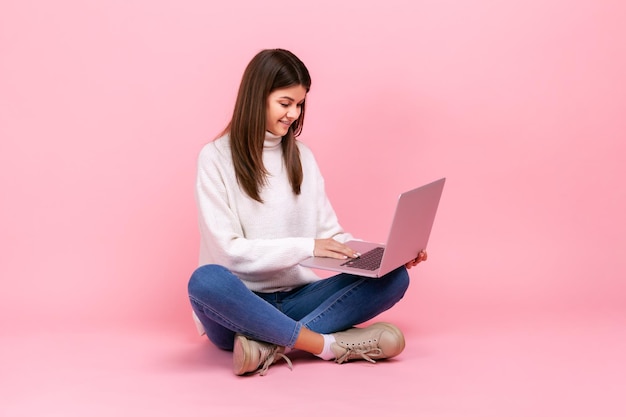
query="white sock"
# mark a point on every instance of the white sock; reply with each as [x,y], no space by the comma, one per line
[326,353]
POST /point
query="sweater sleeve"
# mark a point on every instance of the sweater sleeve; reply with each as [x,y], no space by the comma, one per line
[223,239]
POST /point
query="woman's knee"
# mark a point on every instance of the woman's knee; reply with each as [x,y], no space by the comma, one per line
[400,279]
[203,277]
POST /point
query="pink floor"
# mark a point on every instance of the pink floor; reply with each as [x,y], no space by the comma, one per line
[480,365]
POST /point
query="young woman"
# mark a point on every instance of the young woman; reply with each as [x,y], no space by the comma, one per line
[263,209]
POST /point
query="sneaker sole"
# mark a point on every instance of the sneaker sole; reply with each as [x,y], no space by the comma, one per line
[241,355]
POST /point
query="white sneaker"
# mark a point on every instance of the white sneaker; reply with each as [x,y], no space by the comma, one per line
[255,356]
[371,343]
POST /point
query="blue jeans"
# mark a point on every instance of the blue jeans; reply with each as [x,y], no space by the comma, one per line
[225,306]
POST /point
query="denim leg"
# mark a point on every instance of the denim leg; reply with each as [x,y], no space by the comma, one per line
[342,301]
[225,306]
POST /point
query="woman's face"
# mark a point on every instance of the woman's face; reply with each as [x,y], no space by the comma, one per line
[283,108]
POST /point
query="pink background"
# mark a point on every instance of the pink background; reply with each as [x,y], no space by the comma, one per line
[104,106]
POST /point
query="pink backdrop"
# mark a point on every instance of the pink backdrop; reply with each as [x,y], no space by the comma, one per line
[104,106]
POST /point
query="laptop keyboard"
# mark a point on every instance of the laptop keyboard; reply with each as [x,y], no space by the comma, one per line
[370,260]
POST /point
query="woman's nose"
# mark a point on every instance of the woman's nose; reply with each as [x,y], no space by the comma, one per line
[293,113]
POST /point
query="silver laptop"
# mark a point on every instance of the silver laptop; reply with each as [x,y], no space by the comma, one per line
[410,230]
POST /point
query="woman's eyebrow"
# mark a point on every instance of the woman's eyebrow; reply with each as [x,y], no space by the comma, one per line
[290,98]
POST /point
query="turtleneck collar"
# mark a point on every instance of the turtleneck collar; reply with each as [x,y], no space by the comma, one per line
[271,140]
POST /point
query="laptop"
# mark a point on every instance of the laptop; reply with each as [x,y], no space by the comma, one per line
[410,230]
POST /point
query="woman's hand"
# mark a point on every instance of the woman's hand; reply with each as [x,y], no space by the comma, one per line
[330,248]
[422,256]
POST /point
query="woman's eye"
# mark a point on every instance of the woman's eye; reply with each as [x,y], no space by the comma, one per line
[284,104]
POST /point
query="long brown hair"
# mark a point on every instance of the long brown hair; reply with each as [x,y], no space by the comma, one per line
[269,70]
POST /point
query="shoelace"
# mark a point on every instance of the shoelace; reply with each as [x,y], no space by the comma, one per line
[271,358]
[359,352]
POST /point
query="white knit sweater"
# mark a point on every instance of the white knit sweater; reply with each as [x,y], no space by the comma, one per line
[262,243]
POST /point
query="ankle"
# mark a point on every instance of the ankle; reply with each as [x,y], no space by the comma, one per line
[327,353]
